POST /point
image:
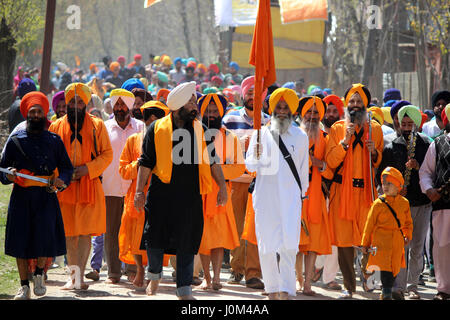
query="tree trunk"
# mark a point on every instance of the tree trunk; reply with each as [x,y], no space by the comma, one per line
[371,52]
[421,53]
[185,28]
[7,61]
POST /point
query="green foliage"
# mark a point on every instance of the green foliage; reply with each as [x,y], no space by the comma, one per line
[25,18]
[9,277]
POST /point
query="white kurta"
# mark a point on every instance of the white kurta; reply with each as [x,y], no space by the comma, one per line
[276,197]
[441,224]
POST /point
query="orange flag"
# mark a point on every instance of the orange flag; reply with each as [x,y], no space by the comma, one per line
[262,57]
[148,3]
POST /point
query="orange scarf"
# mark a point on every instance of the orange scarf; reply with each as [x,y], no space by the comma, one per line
[25,183]
[83,190]
[315,196]
[347,208]
[163,147]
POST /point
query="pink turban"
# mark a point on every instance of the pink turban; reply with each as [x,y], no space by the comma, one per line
[249,83]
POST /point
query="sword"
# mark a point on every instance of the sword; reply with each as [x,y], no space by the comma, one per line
[26,176]
[371,250]
[370,157]
[48,182]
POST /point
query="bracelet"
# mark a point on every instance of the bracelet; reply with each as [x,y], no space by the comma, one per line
[344,145]
[139,192]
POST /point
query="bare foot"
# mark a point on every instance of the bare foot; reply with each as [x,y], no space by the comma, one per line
[308,292]
[284,296]
[152,287]
[217,285]
[138,281]
[299,284]
[274,296]
[206,285]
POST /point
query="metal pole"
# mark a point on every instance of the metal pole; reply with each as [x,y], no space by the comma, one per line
[48,42]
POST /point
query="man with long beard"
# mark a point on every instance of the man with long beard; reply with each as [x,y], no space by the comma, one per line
[277,196]
[83,203]
[314,209]
[219,231]
[175,151]
[351,152]
[34,228]
[244,259]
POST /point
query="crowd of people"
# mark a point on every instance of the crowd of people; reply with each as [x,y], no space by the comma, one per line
[158,164]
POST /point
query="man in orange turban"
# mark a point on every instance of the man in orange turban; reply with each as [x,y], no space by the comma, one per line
[352,153]
[316,240]
[34,227]
[83,202]
[334,111]
[219,230]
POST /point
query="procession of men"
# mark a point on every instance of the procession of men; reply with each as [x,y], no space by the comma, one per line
[191,178]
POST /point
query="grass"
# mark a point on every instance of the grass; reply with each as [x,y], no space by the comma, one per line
[9,277]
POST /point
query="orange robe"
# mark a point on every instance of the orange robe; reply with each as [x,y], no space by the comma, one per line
[132,224]
[83,202]
[349,207]
[219,228]
[382,231]
[314,209]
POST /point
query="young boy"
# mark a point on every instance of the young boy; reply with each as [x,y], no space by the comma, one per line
[389,228]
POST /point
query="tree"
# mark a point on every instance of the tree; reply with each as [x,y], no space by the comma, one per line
[20,22]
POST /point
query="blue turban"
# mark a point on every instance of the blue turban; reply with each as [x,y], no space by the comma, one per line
[392,94]
[328,90]
[234,65]
[177,59]
[389,103]
[25,86]
[429,113]
[317,92]
[184,61]
[191,59]
[132,83]
[289,85]
[397,105]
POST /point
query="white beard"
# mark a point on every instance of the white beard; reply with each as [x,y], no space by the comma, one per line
[360,118]
[280,126]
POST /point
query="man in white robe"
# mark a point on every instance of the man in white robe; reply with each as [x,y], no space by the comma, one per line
[277,199]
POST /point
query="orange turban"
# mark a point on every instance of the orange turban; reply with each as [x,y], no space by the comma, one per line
[82,90]
[377,113]
[114,66]
[394,176]
[335,101]
[220,101]
[361,90]
[155,104]
[31,99]
[162,93]
[307,103]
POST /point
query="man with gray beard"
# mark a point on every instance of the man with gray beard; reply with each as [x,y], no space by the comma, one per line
[277,217]
[317,241]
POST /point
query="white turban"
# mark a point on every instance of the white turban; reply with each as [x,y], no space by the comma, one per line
[180,95]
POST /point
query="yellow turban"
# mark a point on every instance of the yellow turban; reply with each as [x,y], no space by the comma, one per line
[387,114]
[288,95]
[167,61]
[307,103]
[377,113]
[394,176]
[127,97]
[82,90]
[357,88]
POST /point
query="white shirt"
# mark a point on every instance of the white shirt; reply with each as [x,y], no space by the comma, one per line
[431,128]
[441,218]
[113,184]
[276,197]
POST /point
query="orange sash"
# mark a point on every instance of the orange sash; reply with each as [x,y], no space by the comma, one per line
[163,147]
[312,205]
[347,211]
[25,183]
[83,190]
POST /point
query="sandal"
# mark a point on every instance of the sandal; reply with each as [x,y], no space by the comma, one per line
[317,275]
[333,285]
[309,293]
[216,286]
